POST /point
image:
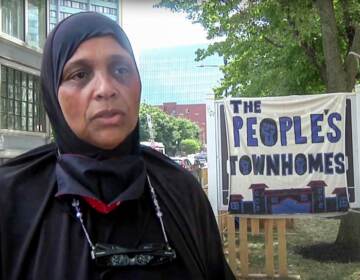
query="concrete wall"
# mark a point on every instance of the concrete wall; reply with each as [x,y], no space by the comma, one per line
[16,52]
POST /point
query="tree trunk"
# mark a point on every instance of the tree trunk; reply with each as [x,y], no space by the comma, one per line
[349,234]
[340,77]
[335,72]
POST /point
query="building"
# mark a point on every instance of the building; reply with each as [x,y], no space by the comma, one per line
[174,81]
[23,124]
[172,75]
[193,112]
[60,9]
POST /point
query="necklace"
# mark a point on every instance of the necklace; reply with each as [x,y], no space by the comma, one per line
[114,255]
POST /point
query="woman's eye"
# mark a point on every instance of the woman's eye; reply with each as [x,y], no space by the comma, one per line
[79,75]
[121,70]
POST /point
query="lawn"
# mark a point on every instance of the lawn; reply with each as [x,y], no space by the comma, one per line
[311,251]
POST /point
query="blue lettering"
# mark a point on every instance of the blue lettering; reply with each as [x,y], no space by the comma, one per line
[339,162]
[258,164]
[251,141]
[268,132]
[245,165]
[300,164]
[334,138]
[328,163]
[285,125]
[316,128]
[257,106]
[287,164]
[233,160]
[237,125]
[248,107]
[272,164]
[235,104]
[316,163]
[299,139]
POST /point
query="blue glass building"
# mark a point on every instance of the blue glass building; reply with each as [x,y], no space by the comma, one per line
[60,9]
[173,75]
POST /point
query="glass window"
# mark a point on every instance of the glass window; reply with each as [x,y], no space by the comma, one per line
[75,4]
[12,13]
[36,23]
[53,14]
[52,25]
[66,3]
[83,6]
[21,107]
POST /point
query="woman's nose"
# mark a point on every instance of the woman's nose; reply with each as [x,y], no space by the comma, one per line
[104,88]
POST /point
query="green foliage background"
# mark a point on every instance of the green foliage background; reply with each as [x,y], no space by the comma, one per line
[271,47]
[190,146]
[168,129]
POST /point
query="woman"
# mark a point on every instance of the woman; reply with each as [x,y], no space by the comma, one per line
[94,204]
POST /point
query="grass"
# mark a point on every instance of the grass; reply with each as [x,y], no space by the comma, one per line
[311,252]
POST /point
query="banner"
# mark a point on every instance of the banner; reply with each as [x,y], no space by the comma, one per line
[287,154]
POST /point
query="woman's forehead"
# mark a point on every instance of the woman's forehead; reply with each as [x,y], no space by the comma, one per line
[99,48]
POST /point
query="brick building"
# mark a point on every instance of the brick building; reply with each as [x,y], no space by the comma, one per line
[193,112]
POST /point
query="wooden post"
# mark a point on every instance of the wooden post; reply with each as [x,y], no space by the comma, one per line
[269,249]
[254,227]
[244,253]
[231,242]
[281,230]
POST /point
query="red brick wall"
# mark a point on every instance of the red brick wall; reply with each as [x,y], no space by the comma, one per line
[193,112]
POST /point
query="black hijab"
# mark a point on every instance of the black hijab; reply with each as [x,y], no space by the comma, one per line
[60,45]
[108,176]
[40,238]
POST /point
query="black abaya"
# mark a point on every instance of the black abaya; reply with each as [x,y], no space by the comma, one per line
[41,239]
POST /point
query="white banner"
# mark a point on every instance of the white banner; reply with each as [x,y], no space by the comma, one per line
[287,154]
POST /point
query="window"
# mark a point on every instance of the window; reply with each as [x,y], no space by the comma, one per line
[64,15]
[83,6]
[52,26]
[66,3]
[53,14]
[36,23]
[75,4]
[112,11]
[20,106]
[12,13]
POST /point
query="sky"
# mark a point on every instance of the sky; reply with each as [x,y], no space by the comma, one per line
[149,27]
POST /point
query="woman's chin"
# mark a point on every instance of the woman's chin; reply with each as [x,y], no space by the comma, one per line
[109,142]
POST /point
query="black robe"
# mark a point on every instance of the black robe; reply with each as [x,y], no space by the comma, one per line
[40,238]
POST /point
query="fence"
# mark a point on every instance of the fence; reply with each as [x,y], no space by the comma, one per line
[234,232]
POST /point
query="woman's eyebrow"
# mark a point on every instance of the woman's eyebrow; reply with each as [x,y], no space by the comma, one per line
[77,63]
[120,58]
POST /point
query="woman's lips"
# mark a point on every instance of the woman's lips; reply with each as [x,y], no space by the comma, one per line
[109,117]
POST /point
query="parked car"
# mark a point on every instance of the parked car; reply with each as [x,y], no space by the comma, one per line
[183,162]
[202,158]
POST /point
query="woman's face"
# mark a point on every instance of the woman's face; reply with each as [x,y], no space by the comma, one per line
[99,93]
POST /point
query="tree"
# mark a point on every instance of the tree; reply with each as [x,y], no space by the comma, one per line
[190,146]
[168,130]
[281,47]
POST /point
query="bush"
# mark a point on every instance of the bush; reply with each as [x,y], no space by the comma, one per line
[190,146]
